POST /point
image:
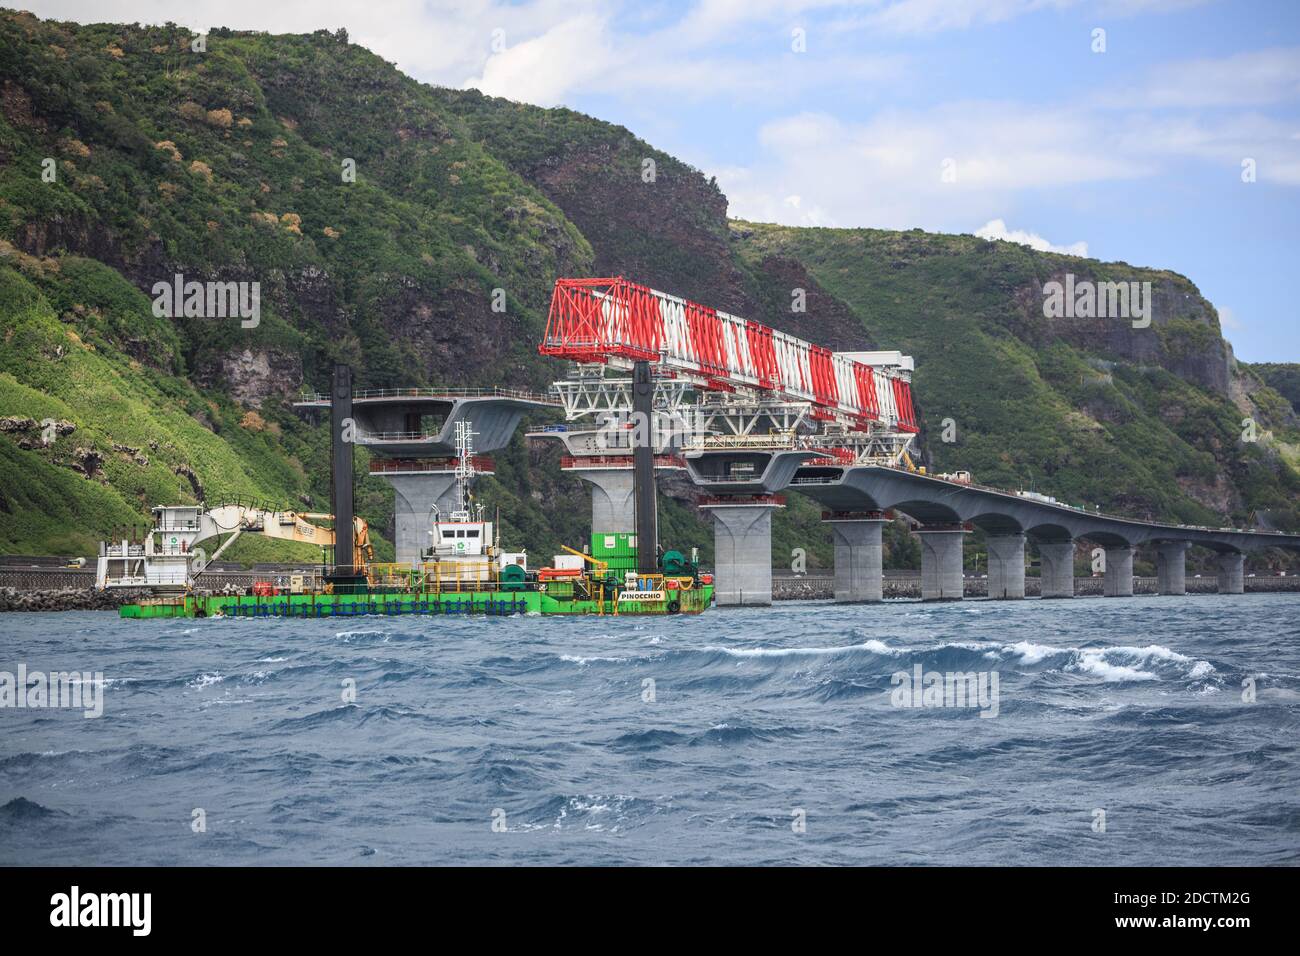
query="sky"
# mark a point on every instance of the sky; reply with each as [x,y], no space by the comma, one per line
[1162,133]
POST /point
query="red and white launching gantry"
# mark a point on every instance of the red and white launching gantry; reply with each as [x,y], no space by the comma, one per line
[744,373]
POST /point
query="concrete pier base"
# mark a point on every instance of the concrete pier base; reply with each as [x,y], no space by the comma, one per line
[1119,573]
[613,507]
[1232,576]
[416,494]
[1171,567]
[859,575]
[1006,566]
[742,553]
[941,570]
[1056,565]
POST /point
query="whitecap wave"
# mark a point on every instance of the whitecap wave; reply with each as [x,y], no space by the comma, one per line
[1109,664]
[786,651]
[206,680]
[583,661]
[1113,664]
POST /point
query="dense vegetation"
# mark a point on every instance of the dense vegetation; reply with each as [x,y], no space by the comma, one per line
[127,157]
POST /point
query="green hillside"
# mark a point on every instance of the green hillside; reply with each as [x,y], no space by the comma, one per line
[1146,422]
[236,163]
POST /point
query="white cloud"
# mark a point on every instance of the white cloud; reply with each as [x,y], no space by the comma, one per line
[586,54]
[1252,78]
[996,229]
[1225,142]
[1134,7]
[929,16]
[889,171]
[1228,319]
[553,49]
[439,41]
[544,69]
[915,17]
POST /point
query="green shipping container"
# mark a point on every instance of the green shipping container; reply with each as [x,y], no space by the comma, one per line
[616,544]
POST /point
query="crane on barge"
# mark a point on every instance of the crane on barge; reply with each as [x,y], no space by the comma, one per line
[170,556]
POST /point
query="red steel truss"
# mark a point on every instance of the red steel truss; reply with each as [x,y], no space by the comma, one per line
[614,320]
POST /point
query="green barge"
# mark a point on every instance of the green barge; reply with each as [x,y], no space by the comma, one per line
[463,571]
[388,603]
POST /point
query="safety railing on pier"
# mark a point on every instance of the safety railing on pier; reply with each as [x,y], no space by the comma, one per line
[365,438]
[483,464]
[773,440]
[568,462]
[713,501]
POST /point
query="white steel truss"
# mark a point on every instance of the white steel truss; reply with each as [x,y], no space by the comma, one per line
[690,418]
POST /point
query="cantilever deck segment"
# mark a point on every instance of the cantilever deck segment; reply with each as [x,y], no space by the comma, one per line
[384,418]
[389,422]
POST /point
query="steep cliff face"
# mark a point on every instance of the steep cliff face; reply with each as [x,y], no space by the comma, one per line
[647,215]
[416,232]
[1282,377]
[1186,338]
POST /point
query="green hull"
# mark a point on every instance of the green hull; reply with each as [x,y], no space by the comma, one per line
[406,602]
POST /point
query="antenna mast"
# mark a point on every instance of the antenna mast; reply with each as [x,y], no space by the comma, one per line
[465,468]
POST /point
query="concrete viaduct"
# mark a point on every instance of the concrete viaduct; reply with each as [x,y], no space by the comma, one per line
[742,486]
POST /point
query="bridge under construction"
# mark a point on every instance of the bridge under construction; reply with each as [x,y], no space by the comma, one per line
[748,412]
[655,383]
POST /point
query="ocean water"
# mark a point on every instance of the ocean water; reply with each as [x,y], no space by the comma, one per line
[772,737]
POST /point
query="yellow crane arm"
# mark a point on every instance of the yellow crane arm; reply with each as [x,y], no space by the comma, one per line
[363,552]
[289,526]
[602,565]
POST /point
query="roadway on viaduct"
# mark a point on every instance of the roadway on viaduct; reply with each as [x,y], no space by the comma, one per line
[937,502]
[857,499]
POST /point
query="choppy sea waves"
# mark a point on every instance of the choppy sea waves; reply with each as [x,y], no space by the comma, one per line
[742,736]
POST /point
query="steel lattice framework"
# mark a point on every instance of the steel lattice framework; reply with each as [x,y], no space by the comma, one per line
[617,322]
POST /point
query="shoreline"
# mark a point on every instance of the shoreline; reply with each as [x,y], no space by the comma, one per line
[822,587]
[16,600]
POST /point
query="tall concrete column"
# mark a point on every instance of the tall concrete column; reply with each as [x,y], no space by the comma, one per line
[1118,581]
[858,559]
[416,494]
[1056,567]
[1232,577]
[742,553]
[1171,567]
[613,505]
[1006,565]
[941,570]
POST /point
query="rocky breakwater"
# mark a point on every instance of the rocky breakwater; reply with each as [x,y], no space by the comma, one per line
[65,599]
